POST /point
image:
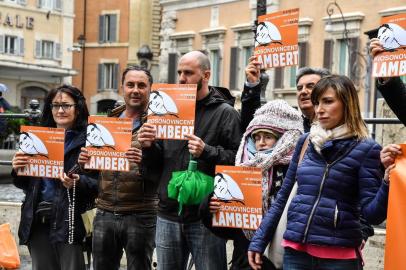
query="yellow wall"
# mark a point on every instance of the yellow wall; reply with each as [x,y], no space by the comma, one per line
[230,14]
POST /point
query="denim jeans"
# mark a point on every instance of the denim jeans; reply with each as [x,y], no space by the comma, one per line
[135,233]
[297,260]
[174,242]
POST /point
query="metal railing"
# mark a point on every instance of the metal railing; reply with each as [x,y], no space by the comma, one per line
[382,121]
[32,114]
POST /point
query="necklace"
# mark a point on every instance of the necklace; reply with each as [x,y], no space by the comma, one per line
[71,213]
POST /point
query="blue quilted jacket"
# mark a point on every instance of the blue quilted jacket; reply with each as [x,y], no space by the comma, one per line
[334,187]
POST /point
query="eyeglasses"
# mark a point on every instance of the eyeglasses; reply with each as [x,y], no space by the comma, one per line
[65,107]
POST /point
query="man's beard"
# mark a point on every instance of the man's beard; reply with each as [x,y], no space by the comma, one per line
[199,84]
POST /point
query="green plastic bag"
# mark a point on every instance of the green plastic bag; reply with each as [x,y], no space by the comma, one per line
[190,187]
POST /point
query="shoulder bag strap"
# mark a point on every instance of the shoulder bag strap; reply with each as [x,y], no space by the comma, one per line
[303,151]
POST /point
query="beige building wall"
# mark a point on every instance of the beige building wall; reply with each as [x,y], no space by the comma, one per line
[185,24]
[144,26]
[370,12]
[26,72]
[94,53]
[201,20]
[138,23]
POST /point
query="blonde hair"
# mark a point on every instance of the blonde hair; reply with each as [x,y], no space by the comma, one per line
[346,92]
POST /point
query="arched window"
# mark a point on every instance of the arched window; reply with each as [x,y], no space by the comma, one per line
[104,105]
[32,92]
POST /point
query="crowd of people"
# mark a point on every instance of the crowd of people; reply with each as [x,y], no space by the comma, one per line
[321,157]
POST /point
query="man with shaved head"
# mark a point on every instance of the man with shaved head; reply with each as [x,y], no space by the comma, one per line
[215,142]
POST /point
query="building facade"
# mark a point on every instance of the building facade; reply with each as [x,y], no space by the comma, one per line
[109,36]
[35,48]
[223,29]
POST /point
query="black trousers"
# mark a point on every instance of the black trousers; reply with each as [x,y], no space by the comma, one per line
[48,256]
[240,258]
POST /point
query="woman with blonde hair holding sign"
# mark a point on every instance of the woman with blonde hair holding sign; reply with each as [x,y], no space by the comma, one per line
[338,178]
[51,224]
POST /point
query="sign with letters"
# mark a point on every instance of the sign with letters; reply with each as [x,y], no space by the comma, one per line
[239,191]
[392,35]
[45,148]
[276,39]
[107,141]
[171,109]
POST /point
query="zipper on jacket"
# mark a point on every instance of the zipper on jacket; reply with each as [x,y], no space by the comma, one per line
[55,203]
[316,203]
[335,216]
[321,189]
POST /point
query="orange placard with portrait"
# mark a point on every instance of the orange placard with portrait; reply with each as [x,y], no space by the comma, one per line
[396,222]
[45,148]
[239,191]
[392,35]
[276,39]
[171,109]
[107,141]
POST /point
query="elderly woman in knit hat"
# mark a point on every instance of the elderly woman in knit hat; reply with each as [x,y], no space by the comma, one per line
[268,143]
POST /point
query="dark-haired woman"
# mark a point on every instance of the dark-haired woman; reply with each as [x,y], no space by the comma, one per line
[339,178]
[51,224]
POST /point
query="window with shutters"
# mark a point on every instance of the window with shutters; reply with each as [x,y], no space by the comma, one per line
[278,79]
[341,47]
[108,76]
[46,4]
[215,67]
[289,73]
[213,43]
[47,49]
[342,54]
[10,44]
[107,28]
[172,67]
[240,54]
[328,54]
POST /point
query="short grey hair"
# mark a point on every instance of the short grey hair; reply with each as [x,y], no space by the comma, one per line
[322,72]
[204,60]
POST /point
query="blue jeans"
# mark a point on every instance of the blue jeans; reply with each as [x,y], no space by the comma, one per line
[135,233]
[297,260]
[174,242]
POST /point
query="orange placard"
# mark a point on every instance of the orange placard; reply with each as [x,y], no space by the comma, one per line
[276,39]
[107,140]
[392,35]
[171,109]
[396,222]
[239,191]
[44,146]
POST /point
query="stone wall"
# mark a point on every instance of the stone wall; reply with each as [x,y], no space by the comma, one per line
[385,134]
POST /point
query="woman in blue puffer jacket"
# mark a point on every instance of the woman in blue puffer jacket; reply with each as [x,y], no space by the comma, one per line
[339,178]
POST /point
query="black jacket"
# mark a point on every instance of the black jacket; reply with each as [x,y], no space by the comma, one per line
[250,102]
[86,191]
[218,125]
[394,92]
